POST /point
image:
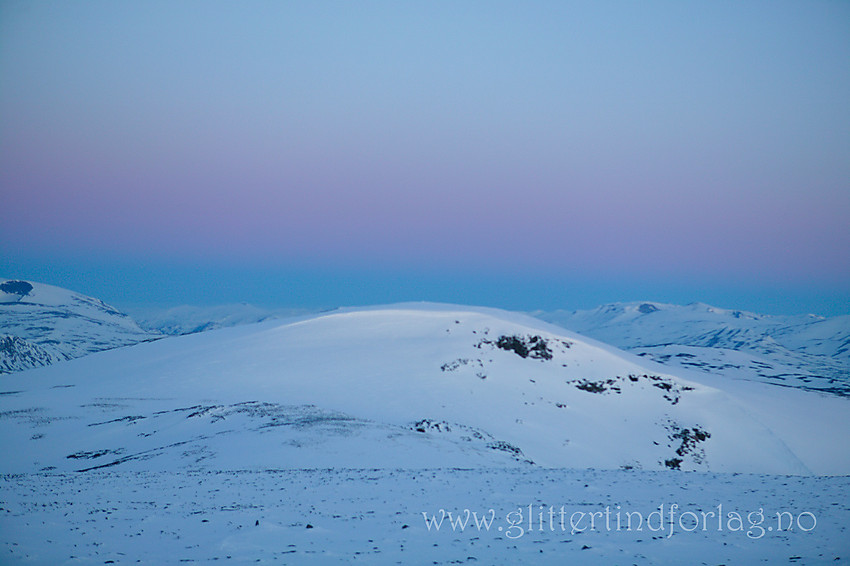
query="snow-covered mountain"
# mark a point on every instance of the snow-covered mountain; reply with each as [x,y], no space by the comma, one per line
[405,386]
[42,324]
[800,351]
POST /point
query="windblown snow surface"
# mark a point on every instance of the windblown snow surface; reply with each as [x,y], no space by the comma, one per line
[413,434]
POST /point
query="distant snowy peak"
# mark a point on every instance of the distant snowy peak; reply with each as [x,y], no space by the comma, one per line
[633,310]
[42,324]
[188,319]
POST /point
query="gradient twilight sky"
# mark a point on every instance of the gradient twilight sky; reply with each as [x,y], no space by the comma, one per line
[516,154]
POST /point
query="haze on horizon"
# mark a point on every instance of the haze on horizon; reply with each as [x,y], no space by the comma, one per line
[535,155]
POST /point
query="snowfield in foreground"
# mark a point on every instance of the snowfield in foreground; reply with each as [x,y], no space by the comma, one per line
[355,422]
[345,516]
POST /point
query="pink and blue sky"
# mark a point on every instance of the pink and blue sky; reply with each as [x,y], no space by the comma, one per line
[515,154]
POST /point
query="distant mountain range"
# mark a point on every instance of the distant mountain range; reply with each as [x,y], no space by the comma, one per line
[41,324]
[190,319]
[802,351]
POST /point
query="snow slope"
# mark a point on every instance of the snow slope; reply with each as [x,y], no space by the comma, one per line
[41,324]
[797,351]
[404,386]
[810,352]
